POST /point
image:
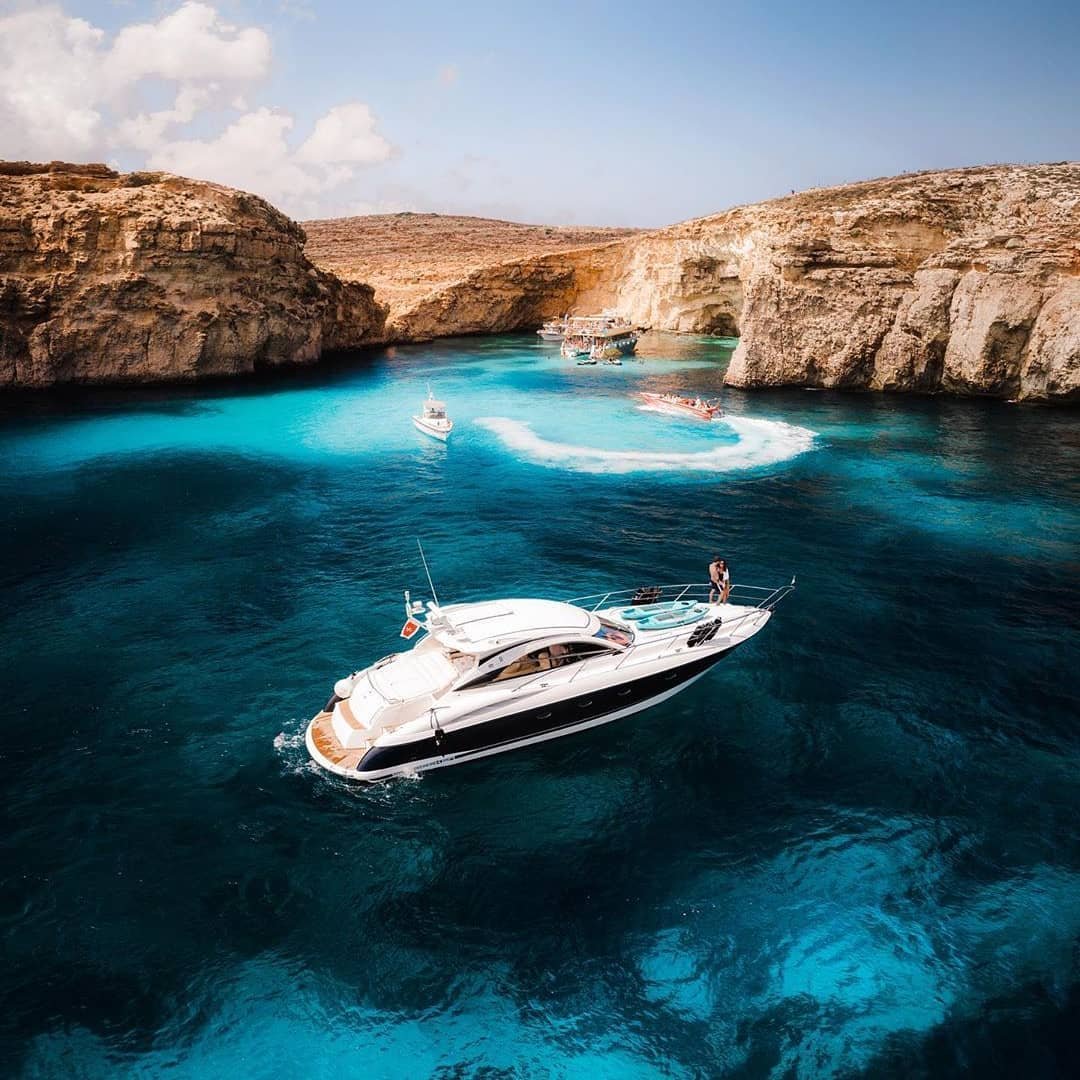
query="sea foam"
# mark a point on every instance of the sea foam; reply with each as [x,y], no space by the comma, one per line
[760,442]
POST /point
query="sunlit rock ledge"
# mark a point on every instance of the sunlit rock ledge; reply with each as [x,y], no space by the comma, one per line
[963,281]
[149,277]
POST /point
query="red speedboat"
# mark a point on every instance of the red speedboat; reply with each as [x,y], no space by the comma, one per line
[678,405]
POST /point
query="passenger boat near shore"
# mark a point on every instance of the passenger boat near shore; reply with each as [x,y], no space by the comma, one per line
[553,329]
[612,345]
[496,675]
[604,338]
[678,405]
[433,420]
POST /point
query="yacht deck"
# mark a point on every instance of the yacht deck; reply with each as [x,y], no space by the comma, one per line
[326,742]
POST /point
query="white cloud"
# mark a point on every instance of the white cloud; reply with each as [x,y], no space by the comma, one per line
[190,45]
[62,82]
[345,133]
[251,153]
[68,91]
[147,130]
[49,65]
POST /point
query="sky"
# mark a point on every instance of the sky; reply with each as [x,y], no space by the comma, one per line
[630,113]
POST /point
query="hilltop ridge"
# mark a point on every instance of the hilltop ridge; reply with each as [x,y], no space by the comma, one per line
[409,256]
[962,281]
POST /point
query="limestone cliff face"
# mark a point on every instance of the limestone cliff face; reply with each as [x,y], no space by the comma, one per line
[512,295]
[147,277]
[965,281]
[443,273]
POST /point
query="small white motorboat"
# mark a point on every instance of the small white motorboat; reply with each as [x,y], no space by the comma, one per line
[433,420]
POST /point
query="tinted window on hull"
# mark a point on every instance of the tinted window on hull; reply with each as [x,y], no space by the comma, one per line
[545,659]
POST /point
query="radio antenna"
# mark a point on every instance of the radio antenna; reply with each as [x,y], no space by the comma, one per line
[431,584]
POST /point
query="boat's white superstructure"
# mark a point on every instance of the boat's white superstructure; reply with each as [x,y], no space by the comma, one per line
[433,420]
[553,329]
[500,674]
[605,337]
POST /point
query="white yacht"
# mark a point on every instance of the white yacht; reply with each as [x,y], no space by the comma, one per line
[433,420]
[501,674]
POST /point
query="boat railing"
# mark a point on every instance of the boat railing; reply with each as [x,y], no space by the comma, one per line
[756,596]
[753,600]
[756,600]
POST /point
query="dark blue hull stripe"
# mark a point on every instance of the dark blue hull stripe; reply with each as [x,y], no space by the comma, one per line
[489,734]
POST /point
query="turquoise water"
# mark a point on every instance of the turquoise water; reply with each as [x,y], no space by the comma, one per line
[853,848]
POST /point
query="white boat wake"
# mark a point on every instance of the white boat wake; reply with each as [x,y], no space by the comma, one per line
[761,442]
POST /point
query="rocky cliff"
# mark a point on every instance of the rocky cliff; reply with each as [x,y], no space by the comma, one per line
[441,273]
[148,277]
[964,281]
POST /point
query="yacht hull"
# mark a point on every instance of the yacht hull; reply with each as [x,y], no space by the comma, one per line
[442,434]
[499,734]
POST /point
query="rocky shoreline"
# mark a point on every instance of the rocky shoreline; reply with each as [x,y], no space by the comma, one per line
[962,282]
[148,277]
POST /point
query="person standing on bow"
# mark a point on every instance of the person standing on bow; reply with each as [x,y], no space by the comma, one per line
[719,579]
[715,581]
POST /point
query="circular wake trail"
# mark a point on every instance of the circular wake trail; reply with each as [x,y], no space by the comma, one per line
[760,442]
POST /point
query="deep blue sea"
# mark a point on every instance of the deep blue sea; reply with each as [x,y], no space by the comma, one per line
[852,849]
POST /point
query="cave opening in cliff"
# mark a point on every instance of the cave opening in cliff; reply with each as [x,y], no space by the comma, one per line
[720,310]
[723,325]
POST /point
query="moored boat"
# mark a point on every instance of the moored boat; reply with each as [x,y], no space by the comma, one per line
[679,405]
[496,675]
[605,337]
[613,344]
[553,329]
[433,420]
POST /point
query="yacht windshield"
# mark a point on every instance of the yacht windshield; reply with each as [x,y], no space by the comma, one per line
[615,634]
[547,659]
